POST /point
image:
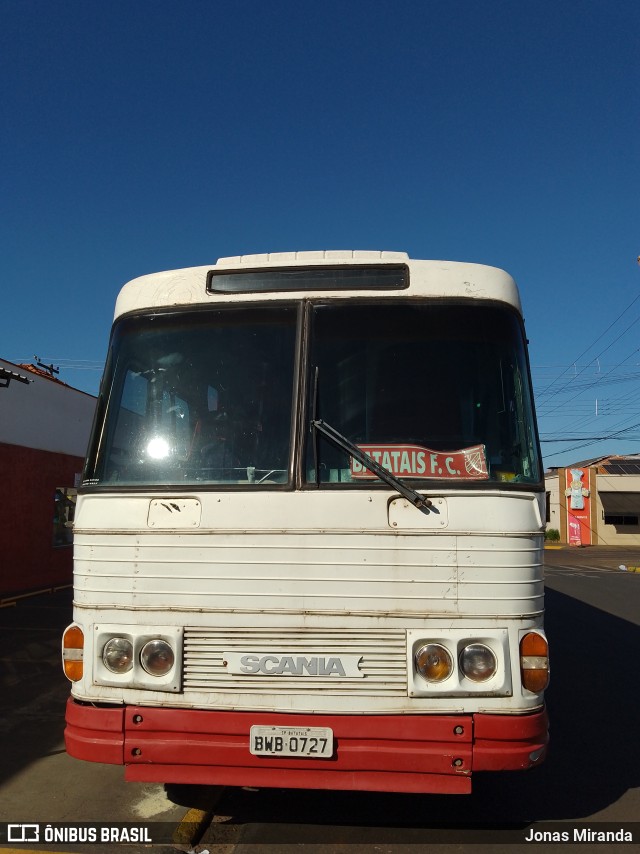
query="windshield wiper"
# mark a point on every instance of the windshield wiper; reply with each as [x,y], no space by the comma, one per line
[419,501]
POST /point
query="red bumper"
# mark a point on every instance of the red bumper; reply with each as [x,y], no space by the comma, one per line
[412,753]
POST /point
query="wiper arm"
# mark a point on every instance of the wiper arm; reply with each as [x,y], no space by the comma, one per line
[419,501]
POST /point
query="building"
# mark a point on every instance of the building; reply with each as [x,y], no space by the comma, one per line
[44,430]
[596,502]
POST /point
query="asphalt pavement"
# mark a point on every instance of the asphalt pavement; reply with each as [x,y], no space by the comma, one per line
[598,557]
[591,773]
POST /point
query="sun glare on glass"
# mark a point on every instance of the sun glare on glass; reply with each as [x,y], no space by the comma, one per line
[158,448]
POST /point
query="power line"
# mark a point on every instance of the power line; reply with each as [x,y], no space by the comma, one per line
[584,352]
[596,382]
[594,441]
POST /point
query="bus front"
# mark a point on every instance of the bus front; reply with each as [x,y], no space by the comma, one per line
[308,544]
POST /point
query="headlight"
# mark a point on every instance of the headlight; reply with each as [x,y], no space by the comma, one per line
[433,662]
[478,662]
[117,655]
[157,657]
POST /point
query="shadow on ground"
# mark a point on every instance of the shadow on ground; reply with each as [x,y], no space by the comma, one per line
[34,690]
[594,758]
[593,706]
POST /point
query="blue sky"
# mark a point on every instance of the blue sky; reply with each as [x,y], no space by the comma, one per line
[141,136]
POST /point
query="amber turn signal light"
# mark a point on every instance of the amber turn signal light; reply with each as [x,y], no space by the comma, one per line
[534,662]
[73,653]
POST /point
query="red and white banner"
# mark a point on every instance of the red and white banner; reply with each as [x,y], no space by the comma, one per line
[415,461]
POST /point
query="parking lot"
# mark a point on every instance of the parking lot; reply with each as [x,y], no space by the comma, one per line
[592,774]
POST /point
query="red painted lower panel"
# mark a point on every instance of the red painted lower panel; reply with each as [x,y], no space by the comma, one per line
[95,733]
[514,743]
[412,753]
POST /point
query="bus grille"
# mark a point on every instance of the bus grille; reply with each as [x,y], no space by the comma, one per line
[384,660]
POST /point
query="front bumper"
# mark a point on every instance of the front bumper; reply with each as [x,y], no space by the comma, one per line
[412,753]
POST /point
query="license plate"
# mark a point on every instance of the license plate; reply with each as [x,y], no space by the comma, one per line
[314,742]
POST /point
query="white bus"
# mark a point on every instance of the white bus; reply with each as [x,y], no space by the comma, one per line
[308,542]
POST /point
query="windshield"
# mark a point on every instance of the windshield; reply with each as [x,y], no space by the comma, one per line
[429,390]
[198,397]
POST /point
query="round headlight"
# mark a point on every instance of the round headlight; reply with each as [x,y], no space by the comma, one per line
[478,662]
[117,655]
[157,657]
[433,662]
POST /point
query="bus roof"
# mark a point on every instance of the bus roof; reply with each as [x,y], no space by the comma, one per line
[436,279]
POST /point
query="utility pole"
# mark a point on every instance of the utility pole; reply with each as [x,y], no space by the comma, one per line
[48,368]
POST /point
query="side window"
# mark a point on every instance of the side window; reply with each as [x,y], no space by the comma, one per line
[64,506]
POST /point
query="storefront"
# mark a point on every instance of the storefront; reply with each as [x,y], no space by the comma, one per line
[44,432]
[595,502]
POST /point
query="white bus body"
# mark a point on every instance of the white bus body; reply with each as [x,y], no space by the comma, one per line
[252,605]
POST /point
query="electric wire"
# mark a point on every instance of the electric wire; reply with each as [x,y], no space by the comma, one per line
[593,343]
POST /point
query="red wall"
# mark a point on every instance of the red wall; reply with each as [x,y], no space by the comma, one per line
[28,479]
